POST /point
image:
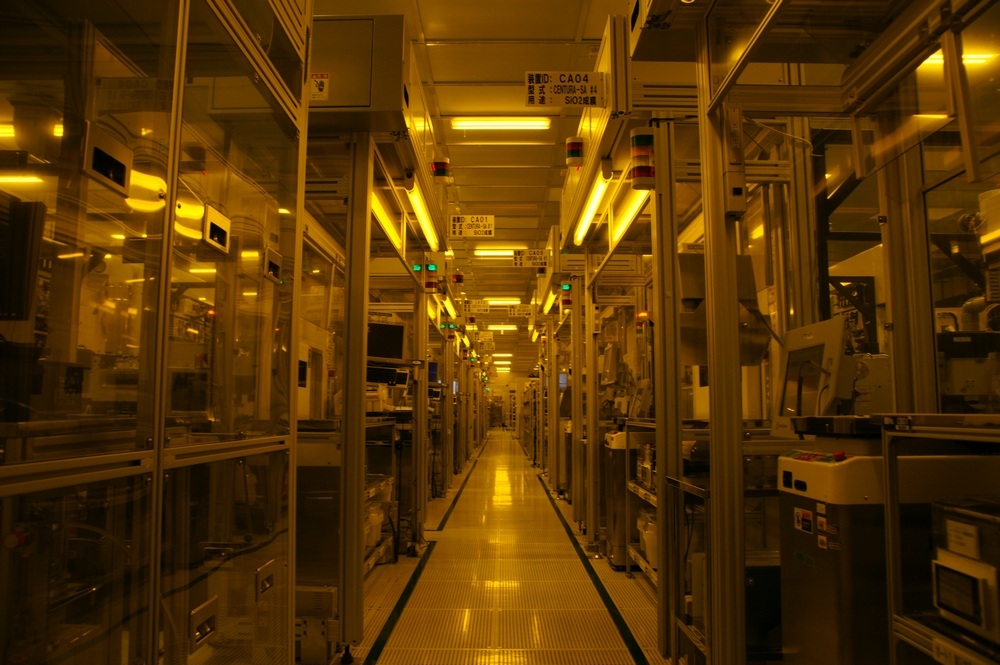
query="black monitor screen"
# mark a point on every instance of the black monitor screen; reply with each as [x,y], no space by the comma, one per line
[432,372]
[803,375]
[385,340]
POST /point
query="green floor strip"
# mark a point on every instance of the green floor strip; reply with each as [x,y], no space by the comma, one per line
[633,645]
[383,637]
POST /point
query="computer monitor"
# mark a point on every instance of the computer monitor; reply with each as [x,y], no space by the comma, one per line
[818,374]
[386,341]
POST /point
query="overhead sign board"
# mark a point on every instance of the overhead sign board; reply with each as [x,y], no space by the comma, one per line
[530,258]
[471,226]
[485,336]
[577,89]
[519,310]
[487,346]
[476,306]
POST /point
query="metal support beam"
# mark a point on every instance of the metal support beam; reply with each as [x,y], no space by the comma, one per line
[666,384]
[576,490]
[357,250]
[421,423]
[594,443]
[725,544]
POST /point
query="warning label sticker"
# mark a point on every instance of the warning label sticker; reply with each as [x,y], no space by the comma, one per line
[804,520]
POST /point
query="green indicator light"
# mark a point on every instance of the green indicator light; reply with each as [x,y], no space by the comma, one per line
[432,267]
[417,267]
[451,326]
[566,286]
[443,326]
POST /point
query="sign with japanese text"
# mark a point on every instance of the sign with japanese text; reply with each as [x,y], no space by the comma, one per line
[519,310]
[530,258]
[579,89]
[471,226]
[476,307]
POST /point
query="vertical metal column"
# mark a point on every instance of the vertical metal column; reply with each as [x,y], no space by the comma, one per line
[447,370]
[726,629]
[461,409]
[421,423]
[905,236]
[594,443]
[357,250]
[576,380]
[552,424]
[666,384]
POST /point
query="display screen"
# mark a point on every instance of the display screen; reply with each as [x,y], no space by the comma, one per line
[803,381]
[958,593]
[385,340]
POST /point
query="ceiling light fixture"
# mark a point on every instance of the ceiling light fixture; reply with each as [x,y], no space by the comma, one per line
[423,216]
[493,253]
[549,301]
[502,362]
[385,221]
[23,180]
[502,327]
[597,190]
[450,306]
[503,355]
[503,123]
[630,210]
[503,301]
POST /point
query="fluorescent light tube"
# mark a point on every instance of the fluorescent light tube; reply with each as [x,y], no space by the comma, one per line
[505,123]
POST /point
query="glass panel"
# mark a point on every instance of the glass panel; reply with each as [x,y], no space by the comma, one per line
[274,40]
[225,562]
[84,120]
[963,218]
[75,574]
[233,228]
[981,47]
[825,38]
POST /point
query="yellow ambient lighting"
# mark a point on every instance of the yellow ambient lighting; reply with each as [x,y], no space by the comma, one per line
[967,58]
[549,301]
[118,236]
[534,336]
[493,253]
[249,294]
[284,211]
[250,254]
[6,131]
[71,255]
[190,210]
[593,201]
[19,179]
[450,306]
[502,327]
[57,130]
[512,123]
[758,232]
[423,217]
[503,355]
[633,204]
[503,301]
[202,271]
[383,219]
[502,362]
[503,370]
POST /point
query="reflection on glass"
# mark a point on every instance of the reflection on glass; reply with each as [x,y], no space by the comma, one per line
[229,345]
[964,223]
[76,568]
[225,551]
[83,122]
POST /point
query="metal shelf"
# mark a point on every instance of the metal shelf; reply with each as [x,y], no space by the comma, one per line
[642,492]
[381,550]
[935,643]
[377,484]
[640,560]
